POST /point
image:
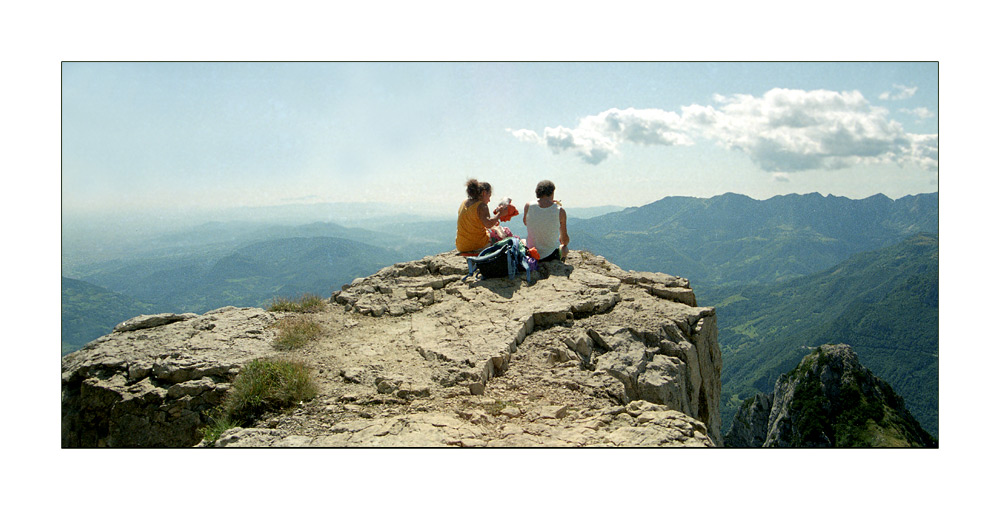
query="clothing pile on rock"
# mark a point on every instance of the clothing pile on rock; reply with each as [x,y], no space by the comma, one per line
[509,213]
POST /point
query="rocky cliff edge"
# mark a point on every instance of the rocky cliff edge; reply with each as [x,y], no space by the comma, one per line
[829,400]
[585,355]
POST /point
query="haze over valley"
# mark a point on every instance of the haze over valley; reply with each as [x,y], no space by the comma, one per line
[798,200]
[783,273]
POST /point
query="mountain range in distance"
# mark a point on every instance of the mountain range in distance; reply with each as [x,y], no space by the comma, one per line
[734,239]
[248,275]
[761,263]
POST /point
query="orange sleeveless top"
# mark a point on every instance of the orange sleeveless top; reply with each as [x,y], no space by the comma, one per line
[471,234]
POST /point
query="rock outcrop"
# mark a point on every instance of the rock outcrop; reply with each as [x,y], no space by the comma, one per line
[153,380]
[585,355]
[828,400]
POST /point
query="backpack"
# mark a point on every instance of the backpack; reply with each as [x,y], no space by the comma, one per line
[503,258]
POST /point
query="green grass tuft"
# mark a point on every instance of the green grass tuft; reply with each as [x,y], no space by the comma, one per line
[308,303]
[263,385]
[214,430]
[294,332]
[267,385]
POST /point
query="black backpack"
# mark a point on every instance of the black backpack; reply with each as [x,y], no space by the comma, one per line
[503,258]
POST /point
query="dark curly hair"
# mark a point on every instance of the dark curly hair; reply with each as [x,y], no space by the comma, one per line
[474,188]
[544,189]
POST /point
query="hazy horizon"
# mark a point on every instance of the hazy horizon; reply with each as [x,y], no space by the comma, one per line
[364,210]
[176,137]
[151,222]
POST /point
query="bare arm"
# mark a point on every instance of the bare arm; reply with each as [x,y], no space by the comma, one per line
[524,217]
[484,216]
[563,234]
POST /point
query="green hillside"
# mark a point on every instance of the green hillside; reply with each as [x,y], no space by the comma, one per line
[883,303]
[257,273]
[89,312]
[199,280]
[897,337]
[830,399]
[251,275]
[200,246]
[733,239]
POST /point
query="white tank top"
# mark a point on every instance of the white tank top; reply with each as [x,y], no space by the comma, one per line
[543,228]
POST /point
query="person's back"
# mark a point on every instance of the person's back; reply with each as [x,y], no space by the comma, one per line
[543,229]
[471,235]
[474,218]
[546,222]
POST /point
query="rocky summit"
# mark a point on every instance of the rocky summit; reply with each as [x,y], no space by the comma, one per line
[586,354]
[829,400]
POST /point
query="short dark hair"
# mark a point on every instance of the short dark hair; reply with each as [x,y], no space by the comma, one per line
[474,188]
[544,189]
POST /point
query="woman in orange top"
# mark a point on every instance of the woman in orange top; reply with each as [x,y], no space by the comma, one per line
[474,217]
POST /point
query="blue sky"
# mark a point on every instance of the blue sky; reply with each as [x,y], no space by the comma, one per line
[199,136]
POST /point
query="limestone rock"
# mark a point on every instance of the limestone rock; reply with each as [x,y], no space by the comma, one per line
[750,424]
[585,355]
[828,400]
[151,321]
[152,386]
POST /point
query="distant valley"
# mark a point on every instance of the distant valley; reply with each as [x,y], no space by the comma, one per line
[785,273]
[228,264]
[89,311]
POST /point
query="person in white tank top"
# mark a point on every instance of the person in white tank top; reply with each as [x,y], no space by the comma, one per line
[546,222]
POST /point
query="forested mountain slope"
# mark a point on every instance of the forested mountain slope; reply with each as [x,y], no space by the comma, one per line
[177,282]
[89,311]
[883,303]
[733,239]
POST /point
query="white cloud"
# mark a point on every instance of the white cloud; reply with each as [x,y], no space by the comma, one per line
[901,92]
[789,130]
[780,177]
[782,131]
[599,136]
[920,112]
[922,151]
[525,135]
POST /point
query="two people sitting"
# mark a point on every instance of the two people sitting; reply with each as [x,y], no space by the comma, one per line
[545,221]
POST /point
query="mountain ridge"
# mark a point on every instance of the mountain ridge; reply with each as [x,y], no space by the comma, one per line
[766,256]
[828,400]
[734,239]
[764,327]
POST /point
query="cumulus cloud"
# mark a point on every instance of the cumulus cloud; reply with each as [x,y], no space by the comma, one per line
[922,151]
[782,131]
[525,135]
[920,112]
[898,92]
[599,136]
[791,130]
[780,177]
